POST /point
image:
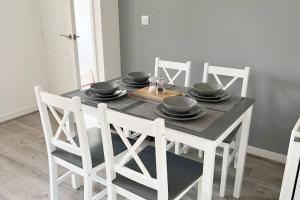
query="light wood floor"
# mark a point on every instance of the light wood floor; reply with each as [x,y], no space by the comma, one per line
[24,168]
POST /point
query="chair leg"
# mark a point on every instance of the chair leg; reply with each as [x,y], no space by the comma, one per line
[177,148]
[224,172]
[111,194]
[75,181]
[199,189]
[53,180]
[88,187]
[200,154]
[237,141]
[235,160]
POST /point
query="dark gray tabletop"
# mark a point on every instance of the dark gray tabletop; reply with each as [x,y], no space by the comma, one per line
[220,116]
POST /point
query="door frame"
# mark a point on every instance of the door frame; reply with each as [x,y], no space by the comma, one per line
[76,56]
[104,53]
[95,16]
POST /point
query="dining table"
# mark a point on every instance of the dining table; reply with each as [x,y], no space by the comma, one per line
[204,134]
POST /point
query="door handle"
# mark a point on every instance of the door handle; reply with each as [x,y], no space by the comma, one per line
[75,36]
[70,37]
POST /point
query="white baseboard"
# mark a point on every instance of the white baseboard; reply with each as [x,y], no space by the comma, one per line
[281,158]
[18,113]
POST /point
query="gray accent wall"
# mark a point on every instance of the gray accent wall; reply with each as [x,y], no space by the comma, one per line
[262,34]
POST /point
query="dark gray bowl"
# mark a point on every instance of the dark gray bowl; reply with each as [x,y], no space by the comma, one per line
[105,87]
[207,88]
[138,76]
[179,104]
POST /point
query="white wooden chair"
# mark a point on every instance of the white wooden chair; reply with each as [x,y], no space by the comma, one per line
[179,67]
[153,173]
[229,143]
[80,152]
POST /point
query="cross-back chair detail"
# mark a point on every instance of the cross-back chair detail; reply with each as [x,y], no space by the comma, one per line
[72,125]
[126,175]
[216,71]
[144,128]
[62,128]
[180,67]
[71,108]
[131,152]
[228,156]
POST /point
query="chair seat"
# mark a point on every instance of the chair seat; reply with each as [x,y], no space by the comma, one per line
[232,135]
[96,148]
[182,172]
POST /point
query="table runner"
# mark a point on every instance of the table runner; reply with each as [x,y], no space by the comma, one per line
[147,111]
[222,106]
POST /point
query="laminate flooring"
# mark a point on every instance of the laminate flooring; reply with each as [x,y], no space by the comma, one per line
[24,168]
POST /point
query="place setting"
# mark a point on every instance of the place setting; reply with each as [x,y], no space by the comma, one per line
[136,79]
[180,108]
[104,91]
[208,93]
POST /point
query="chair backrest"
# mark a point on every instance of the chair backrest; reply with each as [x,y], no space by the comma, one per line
[70,123]
[231,72]
[180,67]
[145,128]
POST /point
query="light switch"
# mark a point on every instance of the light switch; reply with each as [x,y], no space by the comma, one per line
[145,20]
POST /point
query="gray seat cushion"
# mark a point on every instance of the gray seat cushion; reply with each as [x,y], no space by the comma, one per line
[231,136]
[182,172]
[96,148]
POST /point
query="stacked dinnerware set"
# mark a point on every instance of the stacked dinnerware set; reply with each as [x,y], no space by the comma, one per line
[136,79]
[110,90]
[208,92]
[180,108]
[103,91]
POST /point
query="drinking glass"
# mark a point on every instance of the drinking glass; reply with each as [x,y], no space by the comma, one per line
[160,85]
[152,84]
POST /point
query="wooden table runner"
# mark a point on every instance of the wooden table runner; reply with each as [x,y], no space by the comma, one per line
[144,93]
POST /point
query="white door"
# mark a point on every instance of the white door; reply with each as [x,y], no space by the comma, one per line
[58,28]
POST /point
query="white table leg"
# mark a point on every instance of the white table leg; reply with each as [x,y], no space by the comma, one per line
[71,127]
[208,173]
[236,146]
[242,153]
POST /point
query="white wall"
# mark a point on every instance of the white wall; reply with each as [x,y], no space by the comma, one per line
[21,57]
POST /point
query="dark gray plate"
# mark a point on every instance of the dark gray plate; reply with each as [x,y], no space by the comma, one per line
[138,76]
[180,104]
[159,111]
[129,81]
[192,112]
[224,98]
[138,85]
[91,95]
[207,88]
[107,87]
[219,95]
[116,93]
